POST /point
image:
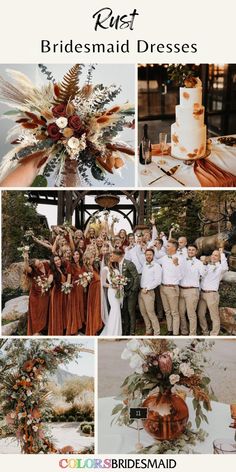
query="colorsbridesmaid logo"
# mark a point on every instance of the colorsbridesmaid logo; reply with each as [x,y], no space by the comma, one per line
[89,463]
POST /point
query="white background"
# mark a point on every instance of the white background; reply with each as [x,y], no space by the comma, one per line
[209,23]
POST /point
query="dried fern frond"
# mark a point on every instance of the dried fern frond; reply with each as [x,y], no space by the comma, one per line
[69,86]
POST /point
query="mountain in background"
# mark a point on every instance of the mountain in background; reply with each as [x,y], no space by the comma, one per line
[61,376]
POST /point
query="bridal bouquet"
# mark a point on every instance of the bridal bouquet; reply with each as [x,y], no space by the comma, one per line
[119,282]
[69,128]
[84,279]
[66,287]
[43,283]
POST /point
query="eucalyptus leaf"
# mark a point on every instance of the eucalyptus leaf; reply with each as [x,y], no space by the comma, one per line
[117,408]
[198,421]
[11,112]
[40,181]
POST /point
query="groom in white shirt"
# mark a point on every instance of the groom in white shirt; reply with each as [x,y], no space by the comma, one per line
[151,278]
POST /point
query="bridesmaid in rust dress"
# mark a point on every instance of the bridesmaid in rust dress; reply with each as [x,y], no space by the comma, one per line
[37,273]
[58,300]
[76,304]
[94,322]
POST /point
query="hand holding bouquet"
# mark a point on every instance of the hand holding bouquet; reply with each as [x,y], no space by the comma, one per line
[43,283]
[119,282]
[66,287]
[84,279]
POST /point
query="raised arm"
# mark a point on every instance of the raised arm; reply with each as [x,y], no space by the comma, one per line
[42,243]
[26,267]
[55,244]
[223,260]
[71,241]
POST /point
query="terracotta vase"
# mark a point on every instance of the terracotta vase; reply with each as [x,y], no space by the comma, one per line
[167,415]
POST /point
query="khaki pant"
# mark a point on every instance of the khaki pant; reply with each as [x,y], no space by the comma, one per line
[170,300]
[147,307]
[158,304]
[188,300]
[211,301]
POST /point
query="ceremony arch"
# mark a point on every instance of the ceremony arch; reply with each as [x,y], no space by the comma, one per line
[74,202]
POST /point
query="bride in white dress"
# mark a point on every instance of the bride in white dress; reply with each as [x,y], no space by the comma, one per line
[111,314]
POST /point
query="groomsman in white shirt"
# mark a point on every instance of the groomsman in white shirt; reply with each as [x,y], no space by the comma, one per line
[149,237]
[159,249]
[189,291]
[172,273]
[209,297]
[163,237]
[136,254]
[150,279]
[182,246]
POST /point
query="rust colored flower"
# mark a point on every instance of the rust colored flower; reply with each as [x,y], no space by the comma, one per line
[165,363]
[74,122]
[59,110]
[68,132]
[54,132]
[28,366]
[35,413]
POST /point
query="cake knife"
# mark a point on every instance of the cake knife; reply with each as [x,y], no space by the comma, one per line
[169,173]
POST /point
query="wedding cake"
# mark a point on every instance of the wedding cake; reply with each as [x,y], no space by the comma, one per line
[188,133]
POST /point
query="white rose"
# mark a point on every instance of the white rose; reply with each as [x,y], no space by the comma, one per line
[126,354]
[186,370]
[61,122]
[136,361]
[73,143]
[139,370]
[176,352]
[26,248]
[133,345]
[174,378]
[145,350]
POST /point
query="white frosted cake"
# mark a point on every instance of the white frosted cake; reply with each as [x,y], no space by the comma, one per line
[188,133]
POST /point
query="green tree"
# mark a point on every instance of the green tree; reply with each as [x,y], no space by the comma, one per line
[179,207]
[18,215]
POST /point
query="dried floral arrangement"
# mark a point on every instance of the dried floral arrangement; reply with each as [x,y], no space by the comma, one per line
[24,397]
[183,75]
[70,128]
[159,365]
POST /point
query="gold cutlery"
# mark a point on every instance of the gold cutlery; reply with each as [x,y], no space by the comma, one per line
[169,172]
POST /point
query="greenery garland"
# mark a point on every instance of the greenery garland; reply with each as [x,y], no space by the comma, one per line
[183,444]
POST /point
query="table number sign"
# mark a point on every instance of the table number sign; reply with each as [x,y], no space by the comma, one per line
[138,413]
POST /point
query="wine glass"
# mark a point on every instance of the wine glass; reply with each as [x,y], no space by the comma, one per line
[224,446]
[233,416]
[146,150]
[162,142]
